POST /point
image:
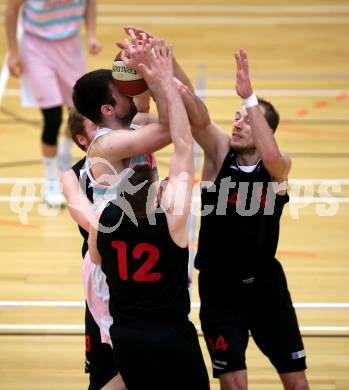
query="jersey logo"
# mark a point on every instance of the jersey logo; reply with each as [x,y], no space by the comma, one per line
[219,364]
[298,354]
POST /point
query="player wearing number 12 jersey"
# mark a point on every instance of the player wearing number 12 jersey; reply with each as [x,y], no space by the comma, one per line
[146,260]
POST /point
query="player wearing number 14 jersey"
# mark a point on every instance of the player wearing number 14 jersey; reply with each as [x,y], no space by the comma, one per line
[242,285]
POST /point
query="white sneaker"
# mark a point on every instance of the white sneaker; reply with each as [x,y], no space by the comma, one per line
[52,193]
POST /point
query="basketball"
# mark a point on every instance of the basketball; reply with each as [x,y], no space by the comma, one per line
[126,79]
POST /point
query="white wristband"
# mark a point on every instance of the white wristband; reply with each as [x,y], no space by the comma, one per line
[251,101]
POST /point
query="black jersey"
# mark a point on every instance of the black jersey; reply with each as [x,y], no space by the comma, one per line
[147,273]
[84,181]
[240,221]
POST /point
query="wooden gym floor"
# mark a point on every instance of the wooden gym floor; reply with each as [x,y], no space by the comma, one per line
[299,57]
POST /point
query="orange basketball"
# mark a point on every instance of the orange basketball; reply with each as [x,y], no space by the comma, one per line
[126,79]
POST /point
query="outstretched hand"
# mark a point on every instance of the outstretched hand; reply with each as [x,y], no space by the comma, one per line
[243,83]
[151,58]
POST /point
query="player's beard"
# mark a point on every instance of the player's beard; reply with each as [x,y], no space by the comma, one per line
[126,120]
[243,149]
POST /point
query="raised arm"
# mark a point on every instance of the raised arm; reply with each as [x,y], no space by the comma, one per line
[213,139]
[139,53]
[11,20]
[177,195]
[276,162]
[176,198]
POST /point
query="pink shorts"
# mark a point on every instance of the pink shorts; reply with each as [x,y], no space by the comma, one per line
[52,68]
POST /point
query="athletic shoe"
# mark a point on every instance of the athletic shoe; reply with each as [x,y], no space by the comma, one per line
[52,193]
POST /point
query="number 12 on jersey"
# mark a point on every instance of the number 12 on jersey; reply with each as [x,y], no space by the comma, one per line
[143,273]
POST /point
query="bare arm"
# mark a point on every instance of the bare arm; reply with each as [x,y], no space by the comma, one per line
[142,119]
[142,102]
[276,162]
[180,75]
[214,141]
[92,246]
[78,204]
[177,195]
[122,144]
[143,57]
[140,53]
[198,114]
[94,46]
[11,20]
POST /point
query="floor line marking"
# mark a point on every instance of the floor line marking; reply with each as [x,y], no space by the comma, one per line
[82,327]
[194,305]
[210,8]
[224,20]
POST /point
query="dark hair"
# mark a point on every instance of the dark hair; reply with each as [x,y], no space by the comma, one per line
[76,126]
[139,200]
[91,91]
[270,114]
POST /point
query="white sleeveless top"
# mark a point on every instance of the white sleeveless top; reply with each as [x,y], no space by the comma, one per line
[103,192]
[94,280]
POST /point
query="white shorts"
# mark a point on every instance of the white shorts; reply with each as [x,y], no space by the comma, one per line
[52,68]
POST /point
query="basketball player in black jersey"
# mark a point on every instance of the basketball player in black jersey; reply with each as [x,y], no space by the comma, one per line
[99,361]
[155,345]
[242,286]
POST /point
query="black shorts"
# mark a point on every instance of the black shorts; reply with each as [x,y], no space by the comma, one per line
[262,308]
[99,361]
[157,355]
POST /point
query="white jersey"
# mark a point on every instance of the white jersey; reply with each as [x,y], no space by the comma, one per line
[107,192]
[94,280]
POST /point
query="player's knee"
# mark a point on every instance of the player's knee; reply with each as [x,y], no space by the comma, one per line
[295,382]
[52,123]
